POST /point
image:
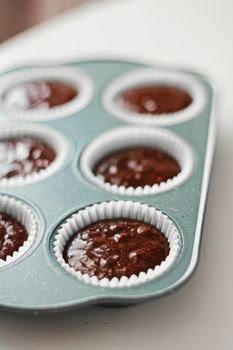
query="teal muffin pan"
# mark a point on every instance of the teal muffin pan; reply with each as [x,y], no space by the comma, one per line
[81,132]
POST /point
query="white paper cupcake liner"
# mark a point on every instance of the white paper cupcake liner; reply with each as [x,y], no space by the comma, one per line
[129,136]
[50,136]
[21,212]
[111,210]
[73,76]
[145,76]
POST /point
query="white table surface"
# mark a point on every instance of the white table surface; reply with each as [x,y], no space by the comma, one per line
[197,34]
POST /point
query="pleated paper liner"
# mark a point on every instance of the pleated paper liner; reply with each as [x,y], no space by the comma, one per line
[129,136]
[22,213]
[112,210]
[73,76]
[44,133]
[153,77]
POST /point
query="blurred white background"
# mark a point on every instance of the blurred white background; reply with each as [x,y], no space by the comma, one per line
[196,34]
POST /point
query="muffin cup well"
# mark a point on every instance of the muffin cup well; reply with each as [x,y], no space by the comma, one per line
[151,76]
[47,134]
[73,76]
[21,212]
[127,136]
[111,210]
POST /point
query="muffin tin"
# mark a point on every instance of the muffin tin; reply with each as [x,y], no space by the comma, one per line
[36,280]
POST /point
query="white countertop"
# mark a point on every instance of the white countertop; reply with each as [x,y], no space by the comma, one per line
[197,34]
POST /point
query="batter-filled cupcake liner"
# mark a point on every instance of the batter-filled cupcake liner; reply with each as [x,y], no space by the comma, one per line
[129,136]
[148,76]
[44,133]
[73,76]
[22,213]
[113,210]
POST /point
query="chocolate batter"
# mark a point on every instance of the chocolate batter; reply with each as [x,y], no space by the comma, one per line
[154,99]
[116,248]
[12,235]
[137,166]
[23,156]
[40,94]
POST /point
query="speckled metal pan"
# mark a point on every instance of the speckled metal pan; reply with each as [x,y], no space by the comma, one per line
[36,281]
